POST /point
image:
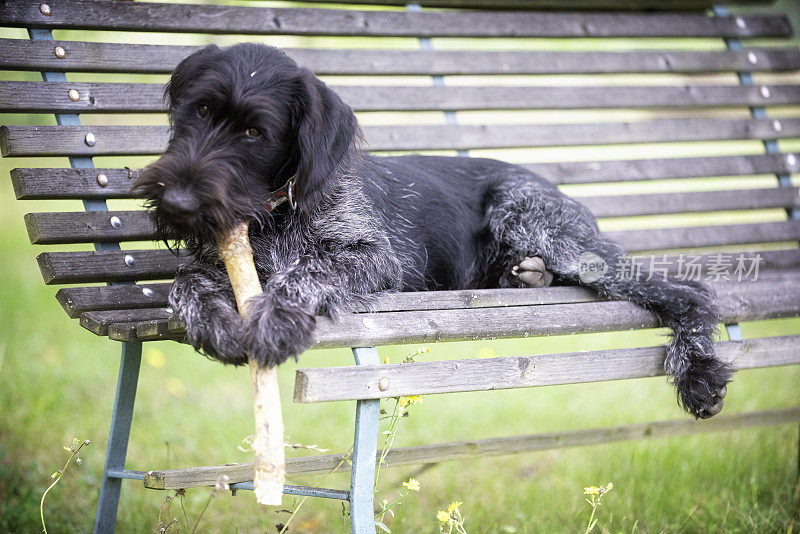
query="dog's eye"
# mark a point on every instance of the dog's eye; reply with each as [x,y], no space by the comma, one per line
[252,132]
[202,110]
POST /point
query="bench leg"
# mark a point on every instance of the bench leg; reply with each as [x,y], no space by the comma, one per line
[365,449]
[118,437]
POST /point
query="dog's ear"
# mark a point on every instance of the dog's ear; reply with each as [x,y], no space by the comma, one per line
[187,70]
[326,138]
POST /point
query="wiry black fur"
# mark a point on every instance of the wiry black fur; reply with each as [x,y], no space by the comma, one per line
[365,224]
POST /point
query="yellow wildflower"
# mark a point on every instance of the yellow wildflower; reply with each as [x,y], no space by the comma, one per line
[410,401]
[454,506]
[385,359]
[423,350]
[442,516]
[412,484]
[591,490]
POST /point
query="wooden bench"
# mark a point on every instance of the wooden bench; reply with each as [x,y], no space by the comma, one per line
[709,92]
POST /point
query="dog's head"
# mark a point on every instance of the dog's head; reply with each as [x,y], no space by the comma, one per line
[245,119]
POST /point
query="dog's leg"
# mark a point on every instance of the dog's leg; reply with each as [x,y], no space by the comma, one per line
[202,298]
[530,219]
[281,319]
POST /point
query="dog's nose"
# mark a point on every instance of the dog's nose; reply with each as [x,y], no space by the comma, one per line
[179,201]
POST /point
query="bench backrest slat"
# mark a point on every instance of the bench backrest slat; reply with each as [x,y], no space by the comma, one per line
[143,140]
[53,183]
[134,98]
[155,17]
[49,228]
[162,59]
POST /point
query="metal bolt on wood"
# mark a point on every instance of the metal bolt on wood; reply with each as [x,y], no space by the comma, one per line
[791,160]
[45,10]
[777,126]
[740,23]
[765,91]
[115,222]
[383,384]
[90,139]
[60,52]
[752,57]
[147,292]
[129,261]
[102,180]
[74,95]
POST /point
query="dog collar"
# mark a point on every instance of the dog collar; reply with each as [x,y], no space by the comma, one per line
[284,194]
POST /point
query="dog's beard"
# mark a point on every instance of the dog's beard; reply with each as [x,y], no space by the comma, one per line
[224,202]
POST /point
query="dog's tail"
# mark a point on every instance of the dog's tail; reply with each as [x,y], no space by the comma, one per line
[686,307]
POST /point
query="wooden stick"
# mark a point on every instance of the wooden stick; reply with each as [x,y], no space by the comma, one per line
[268,479]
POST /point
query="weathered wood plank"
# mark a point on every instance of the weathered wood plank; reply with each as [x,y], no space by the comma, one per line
[667,5]
[98,322]
[42,183]
[108,266]
[702,236]
[144,16]
[76,300]
[136,140]
[750,301]
[24,54]
[737,302]
[52,97]
[56,183]
[629,205]
[483,374]
[160,328]
[88,227]
[462,450]
[665,168]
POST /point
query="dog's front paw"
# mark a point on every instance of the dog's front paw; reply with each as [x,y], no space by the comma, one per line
[218,337]
[275,332]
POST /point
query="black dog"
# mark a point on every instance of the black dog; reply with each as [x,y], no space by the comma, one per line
[257,138]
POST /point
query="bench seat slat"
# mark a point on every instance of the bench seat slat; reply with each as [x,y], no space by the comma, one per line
[737,302]
[461,450]
[137,140]
[750,301]
[42,183]
[51,97]
[98,322]
[87,227]
[155,17]
[23,54]
[483,374]
[75,300]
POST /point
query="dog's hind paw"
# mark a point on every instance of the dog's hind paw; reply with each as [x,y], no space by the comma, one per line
[532,272]
[718,400]
[703,388]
